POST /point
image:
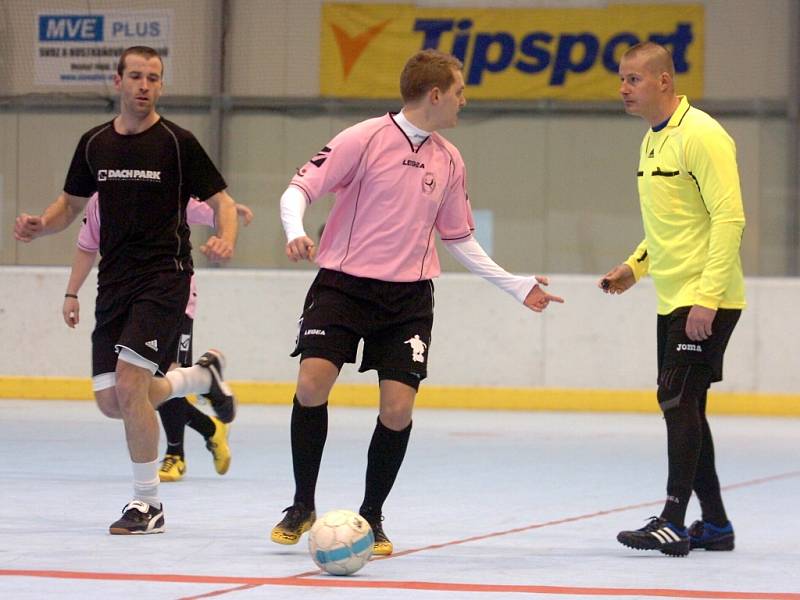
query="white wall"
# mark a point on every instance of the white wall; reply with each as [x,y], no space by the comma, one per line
[481,336]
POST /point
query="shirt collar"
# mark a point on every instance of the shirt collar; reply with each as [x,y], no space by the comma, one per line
[414,133]
[680,112]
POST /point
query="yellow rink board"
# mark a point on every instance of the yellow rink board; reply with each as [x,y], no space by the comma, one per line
[483,398]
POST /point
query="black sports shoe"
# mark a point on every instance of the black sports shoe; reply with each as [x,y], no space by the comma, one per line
[383,545]
[297,520]
[706,536]
[658,534]
[220,394]
[139,518]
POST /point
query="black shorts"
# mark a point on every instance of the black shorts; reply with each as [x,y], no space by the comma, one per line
[144,316]
[675,349]
[394,320]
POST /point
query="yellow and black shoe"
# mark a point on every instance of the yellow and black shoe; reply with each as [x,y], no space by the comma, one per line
[383,545]
[173,467]
[217,444]
[219,394]
[297,520]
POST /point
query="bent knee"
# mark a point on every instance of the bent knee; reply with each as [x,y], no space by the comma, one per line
[106,400]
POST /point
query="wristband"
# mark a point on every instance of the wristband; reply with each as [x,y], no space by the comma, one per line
[71,296]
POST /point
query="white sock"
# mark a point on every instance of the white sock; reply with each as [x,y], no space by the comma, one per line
[189,380]
[145,482]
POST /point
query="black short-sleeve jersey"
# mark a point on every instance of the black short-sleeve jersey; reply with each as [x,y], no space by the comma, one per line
[144,182]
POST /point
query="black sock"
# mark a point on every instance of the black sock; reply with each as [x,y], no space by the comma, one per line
[309,429]
[706,482]
[199,421]
[386,452]
[173,418]
[684,437]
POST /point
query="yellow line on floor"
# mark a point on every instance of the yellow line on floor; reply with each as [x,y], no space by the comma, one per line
[484,398]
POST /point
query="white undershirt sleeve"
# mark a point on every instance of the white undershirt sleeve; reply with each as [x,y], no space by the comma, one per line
[293,207]
[470,254]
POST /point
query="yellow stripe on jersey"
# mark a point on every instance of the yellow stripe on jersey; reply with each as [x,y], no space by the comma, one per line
[692,211]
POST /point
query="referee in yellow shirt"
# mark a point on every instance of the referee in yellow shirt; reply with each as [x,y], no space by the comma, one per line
[693,219]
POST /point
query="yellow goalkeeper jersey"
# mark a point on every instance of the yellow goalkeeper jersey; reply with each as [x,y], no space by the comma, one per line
[692,212]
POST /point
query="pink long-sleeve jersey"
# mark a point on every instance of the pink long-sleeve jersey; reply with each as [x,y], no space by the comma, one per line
[390,197]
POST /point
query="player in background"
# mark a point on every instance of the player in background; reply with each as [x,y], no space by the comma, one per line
[145,168]
[175,413]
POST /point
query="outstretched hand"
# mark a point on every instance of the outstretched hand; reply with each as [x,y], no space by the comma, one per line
[538,299]
[617,280]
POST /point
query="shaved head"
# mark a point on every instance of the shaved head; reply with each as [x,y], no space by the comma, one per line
[656,58]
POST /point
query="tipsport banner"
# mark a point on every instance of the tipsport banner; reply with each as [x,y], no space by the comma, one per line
[561,53]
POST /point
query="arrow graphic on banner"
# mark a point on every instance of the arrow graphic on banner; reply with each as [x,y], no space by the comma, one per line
[350,48]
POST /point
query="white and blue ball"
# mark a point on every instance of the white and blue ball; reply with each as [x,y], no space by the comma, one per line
[340,542]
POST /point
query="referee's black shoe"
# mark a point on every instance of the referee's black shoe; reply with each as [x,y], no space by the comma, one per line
[219,394]
[707,536]
[658,534]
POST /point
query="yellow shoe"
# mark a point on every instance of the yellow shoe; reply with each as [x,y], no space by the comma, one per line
[383,545]
[172,468]
[294,524]
[217,444]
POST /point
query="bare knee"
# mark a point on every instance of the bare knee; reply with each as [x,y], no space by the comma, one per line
[315,380]
[132,385]
[397,417]
[397,404]
[107,403]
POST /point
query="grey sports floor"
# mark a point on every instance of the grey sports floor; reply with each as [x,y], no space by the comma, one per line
[488,505]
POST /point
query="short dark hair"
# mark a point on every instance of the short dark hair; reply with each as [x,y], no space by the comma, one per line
[145,51]
[426,70]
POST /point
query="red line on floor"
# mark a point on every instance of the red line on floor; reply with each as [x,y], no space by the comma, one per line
[583,517]
[342,582]
[302,579]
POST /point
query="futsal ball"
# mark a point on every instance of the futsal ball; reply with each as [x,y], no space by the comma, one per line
[340,542]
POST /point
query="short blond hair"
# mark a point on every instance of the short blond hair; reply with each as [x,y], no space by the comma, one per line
[426,70]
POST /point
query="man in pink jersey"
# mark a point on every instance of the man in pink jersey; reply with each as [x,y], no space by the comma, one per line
[175,413]
[396,181]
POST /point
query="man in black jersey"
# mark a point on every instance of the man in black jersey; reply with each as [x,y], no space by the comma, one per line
[144,168]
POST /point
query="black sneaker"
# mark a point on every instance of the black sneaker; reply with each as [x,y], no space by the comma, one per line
[139,518]
[220,394]
[705,536]
[297,520]
[383,545]
[658,534]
